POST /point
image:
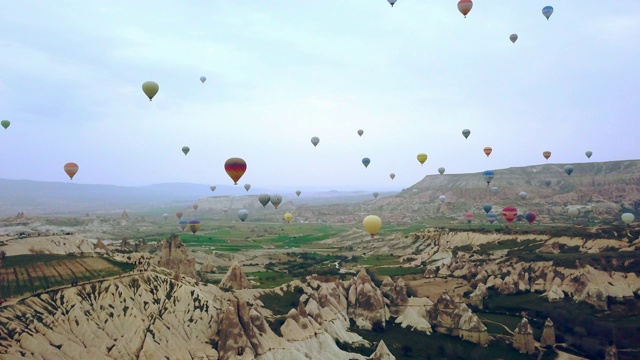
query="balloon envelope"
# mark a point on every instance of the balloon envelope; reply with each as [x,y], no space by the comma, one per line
[422,157]
[509,213]
[588,153]
[212,187]
[183,224]
[5,123]
[547,11]
[464,6]
[523,195]
[366,161]
[392,2]
[315,141]
[71,169]
[392,176]
[375,194]
[573,212]
[530,216]
[487,207]
[466,133]
[276,200]
[372,224]
[487,150]
[298,192]
[360,132]
[194,226]
[491,218]
[287,217]
[513,38]
[627,218]
[442,198]
[150,88]
[546,154]
[243,215]
[488,176]
[441,170]
[185,150]
[264,199]
[235,168]
[179,215]
[247,186]
[547,182]
[568,169]
[195,206]
[203,79]
[495,190]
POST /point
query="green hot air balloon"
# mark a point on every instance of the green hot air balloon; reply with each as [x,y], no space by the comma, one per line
[5,124]
[150,88]
[264,199]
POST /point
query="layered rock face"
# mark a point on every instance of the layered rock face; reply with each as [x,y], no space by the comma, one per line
[611,353]
[523,338]
[455,319]
[173,255]
[235,279]
[382,352]
[548,334]
[366,305]
[396,293]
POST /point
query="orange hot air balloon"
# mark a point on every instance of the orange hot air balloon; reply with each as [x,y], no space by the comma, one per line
[488,150]
[235,168]
[71,169]
[464,6]
[546,154]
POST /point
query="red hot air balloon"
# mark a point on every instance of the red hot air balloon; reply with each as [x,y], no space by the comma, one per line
[509,213]
[464,6]
[235,168]
[469,217]
[179,215]
[71,169]
[530,216]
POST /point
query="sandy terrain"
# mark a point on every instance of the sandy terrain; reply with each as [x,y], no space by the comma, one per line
[432,288]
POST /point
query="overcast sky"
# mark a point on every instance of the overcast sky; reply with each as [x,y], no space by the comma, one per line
[280,72]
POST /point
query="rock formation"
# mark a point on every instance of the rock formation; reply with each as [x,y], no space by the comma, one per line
[478,295]
[523,337]
[235,279]
[548,334]
[174,256]
[396,293]
[382,352]
[455,319]
[366,305]
[611,353]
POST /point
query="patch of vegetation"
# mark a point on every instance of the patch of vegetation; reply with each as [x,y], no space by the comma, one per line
[397,271]
[270,279]
[376,260]
[282,304]
[623,261]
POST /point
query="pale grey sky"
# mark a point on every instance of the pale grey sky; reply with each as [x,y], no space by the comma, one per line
[280,72]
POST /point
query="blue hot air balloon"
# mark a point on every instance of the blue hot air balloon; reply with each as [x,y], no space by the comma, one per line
[487,207]
[568,169]
[183,224]
[491,218]
[488,176]
[547,11]
[366,162]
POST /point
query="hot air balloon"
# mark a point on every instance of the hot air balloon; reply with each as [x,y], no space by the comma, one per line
[179,215]
[487,150]
[185,150]
[276,200]
[573,212]
[487,207]
[509,213]
[360,132]
[488,176]
[547,182]
[287,217]
[194,226]
[224,210]
[212,187]
[165,216]
[513,38]
[627,218]
[547,11]
[442,198]
[71,169]
[203,79]
[495,190]
[464,6]
[530,216]
[366,161]
[491,218]
[264,199]
[5,124]
[468,216]
[235,168]
[372,224]
[243,215]
[392,2]
[588,154]
[150,88]
[519,216]
[422,157]
[298,192]
[441,170]
[546,154]
[466,133]
[392,176]
[247,186]
[195,207]
[315,141]
[375,194]
[183,224]
[523,195]
[568,169]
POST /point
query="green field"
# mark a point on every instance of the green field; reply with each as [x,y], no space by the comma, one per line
[270,279]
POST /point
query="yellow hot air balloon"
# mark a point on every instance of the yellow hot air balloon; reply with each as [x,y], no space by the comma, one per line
[287,217]
[372,224]
[422,157]
[150,88]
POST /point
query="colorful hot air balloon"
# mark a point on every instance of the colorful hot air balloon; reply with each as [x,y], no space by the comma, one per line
[547,11]
[464,6]
[392,176]
[588,154]
[360,132]
[513,38]
[372,224]
[523,195]
[442,198]
[195,207]
[185,150]
[469,217]
[71,169]
[392,2]
[243,215]
[315,141]
[212,187]
[298,192]
[487,150]
[509,213]
[287,217]
[441,170]
[547,182]
[235,168]
[203,79]
[488,176]
[466,133]
[487,207]
[530,216]
[183,224]
[264,199]
[194,226]
[495,190]
[422,157]
[5,124]
[179,215]
[573,212]
[375,194]
[491,218]
[247,186]
[366,161]
[627,218]
[276,200]
[568,169]
[150,88]
[546,154]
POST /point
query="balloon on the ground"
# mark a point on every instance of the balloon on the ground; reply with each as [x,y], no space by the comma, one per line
[235,168]
[150,88]
[372,224]
[71,169]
